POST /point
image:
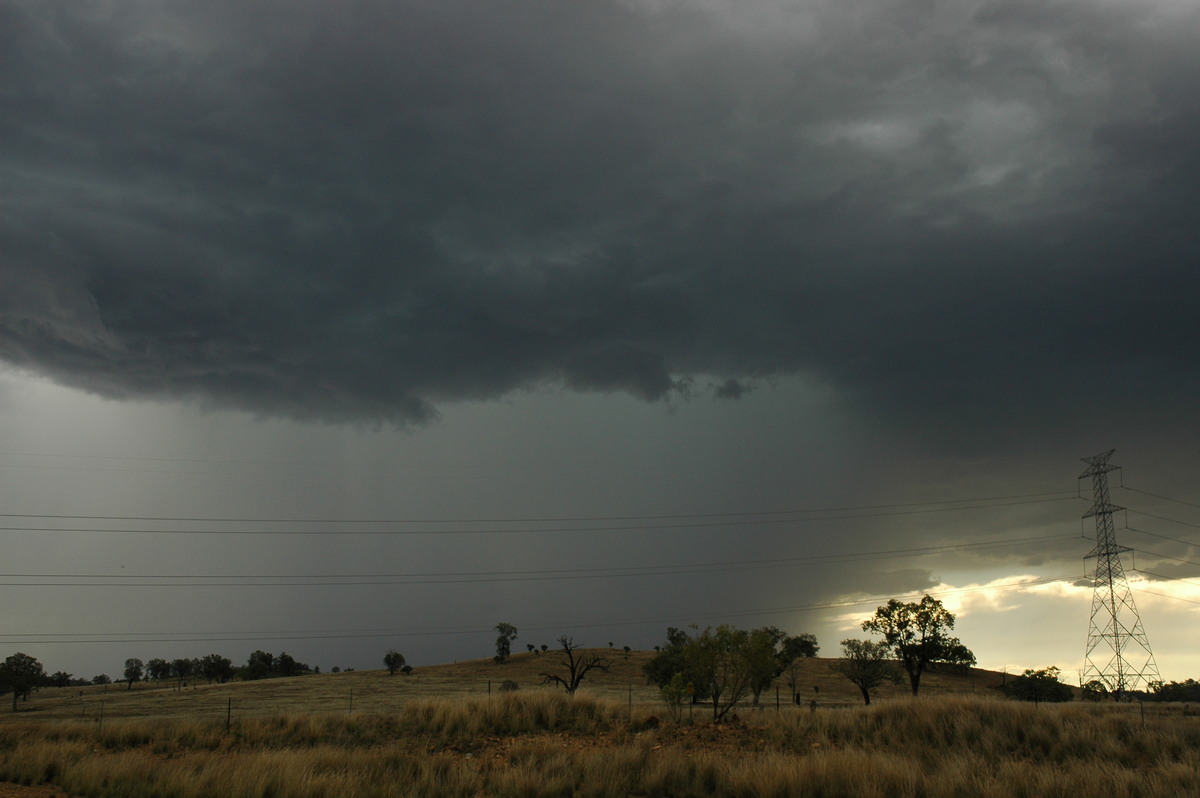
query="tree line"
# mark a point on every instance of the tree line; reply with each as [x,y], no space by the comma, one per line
[214,668]
[721,667]
[726,665]
[21,674]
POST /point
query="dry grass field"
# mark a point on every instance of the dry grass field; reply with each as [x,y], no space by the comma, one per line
[376,692]
[437,732]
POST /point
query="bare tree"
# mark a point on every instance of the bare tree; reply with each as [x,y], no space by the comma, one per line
[577,664]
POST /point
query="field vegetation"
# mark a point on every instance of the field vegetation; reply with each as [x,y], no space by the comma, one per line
[437,732]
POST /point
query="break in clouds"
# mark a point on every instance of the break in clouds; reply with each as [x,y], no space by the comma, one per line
[947,211]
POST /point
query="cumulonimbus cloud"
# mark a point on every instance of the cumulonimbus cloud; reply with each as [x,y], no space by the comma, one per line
[358,211]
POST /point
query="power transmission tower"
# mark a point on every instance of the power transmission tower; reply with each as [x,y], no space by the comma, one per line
[1118,651]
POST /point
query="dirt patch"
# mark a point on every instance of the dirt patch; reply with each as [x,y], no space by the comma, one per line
[9,790]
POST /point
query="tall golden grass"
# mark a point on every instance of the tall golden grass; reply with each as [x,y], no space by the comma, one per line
[548,744]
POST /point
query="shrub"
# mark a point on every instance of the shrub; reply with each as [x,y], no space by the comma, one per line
[1037,686]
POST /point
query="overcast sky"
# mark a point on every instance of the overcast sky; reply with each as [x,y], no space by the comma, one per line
[374,324]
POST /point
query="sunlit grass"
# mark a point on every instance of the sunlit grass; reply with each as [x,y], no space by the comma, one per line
[547,744]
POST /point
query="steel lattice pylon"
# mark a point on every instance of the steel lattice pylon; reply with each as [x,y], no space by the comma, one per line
[1118,651]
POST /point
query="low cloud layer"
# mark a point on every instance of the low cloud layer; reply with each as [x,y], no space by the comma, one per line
[956,214]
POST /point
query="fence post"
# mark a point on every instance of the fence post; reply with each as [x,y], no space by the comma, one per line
[228,713]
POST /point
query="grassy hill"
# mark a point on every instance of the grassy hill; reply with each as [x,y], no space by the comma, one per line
[375,691]
[436,732]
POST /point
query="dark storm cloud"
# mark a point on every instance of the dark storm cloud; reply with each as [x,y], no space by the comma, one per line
[952,212]
[731,389]
[882,582]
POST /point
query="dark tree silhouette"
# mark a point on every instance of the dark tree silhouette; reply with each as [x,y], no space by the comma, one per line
[393,661]
[1039,685]
[214,667]
[181,669]
[158,669]
[578,664]
[919,635]
[134,670]
[21,673]
[506,634]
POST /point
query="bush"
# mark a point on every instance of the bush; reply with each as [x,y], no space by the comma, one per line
[1178,691]
[1037,686]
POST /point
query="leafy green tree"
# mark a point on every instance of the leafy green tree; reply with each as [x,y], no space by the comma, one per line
[867,664]
[578,664]
[1039,685]
[672,659]
[258,665]
[506,633]
[21,673]
[181,669]
[728,664]
[765,658]
[102,678]
[59,679]
[285,665]
[393,661]
[158,669]
[134,670]
[793,650]
[774,652]
[719,666]
[674,694]
[918,634]
[802,645]
[215,668]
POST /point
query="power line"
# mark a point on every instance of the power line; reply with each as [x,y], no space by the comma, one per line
[328,464]
[1168,596]
[1157,535]
[1033,498]
[1167,557]
[729,519]
[419,578]
[1163,518]
[215,637]
[1160,496]
[1186,580]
